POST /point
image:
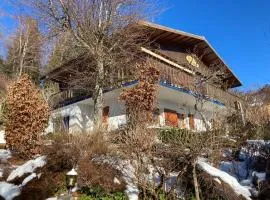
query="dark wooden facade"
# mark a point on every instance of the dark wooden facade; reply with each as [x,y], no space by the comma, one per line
[173,46]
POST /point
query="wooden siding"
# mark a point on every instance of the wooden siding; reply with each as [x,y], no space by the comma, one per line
[169,75]
[179,78]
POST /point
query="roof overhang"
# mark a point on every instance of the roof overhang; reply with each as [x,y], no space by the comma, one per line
[161,34]
[210,56]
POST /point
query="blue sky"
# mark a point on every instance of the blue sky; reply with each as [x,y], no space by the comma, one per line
[238,29]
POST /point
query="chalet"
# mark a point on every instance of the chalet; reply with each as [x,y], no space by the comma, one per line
[177,96]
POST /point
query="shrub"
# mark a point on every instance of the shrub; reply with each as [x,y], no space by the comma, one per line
[27,117]
[68,150]
[61,155]
[76,150]
[171,134]
[140,100]
[92,175]
[99,193]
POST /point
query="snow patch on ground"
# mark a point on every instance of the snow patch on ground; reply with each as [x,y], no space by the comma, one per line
[29,167]
[260,175]
[258,143]
[28,179]
[235,168]
[4,154]
[2,137]
[9,191]
[225,177]
[128,173]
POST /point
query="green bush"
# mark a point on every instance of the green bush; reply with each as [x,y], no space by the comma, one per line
[98,193]
[172,134]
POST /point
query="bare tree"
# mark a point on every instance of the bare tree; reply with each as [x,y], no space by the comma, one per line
[24,49]
[104,31]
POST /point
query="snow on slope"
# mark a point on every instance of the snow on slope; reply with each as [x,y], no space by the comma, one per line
[4,154]
[128,173]
[225,177]
[2,137]
[29,167]
[9,191]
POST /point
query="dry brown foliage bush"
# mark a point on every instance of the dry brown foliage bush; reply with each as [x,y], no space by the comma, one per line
[67,150]
[27,117]
[77,150]
[258,115]
[61,156]
[136,144]
[136,140]
[140,100]
[100,174]
[49,184]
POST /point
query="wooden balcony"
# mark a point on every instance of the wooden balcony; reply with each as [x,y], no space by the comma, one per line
[66,97]
[179,78]
[169,75]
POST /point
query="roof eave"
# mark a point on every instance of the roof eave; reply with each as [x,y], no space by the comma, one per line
[202,38]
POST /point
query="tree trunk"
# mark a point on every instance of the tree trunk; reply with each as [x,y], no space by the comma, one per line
[195,180]
[98,94]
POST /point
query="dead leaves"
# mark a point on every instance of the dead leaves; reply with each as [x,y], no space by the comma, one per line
[140,100]
[27,117]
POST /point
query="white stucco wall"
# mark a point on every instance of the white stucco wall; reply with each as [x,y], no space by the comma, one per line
[80,117]
[81,113]
[2,137]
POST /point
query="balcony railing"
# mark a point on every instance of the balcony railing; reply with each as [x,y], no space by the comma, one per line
[180,78]
[222,96]
[66,97]
[170,75]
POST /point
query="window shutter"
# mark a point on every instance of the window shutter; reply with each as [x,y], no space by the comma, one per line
[191,121]
[105,114]
[171,118]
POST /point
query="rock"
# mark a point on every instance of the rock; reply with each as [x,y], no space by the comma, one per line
[4,155]
[257,178]
[264,194]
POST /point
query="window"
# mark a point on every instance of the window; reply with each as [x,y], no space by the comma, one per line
[237,105]
[156,115]
[191,121]
[181,120]
[66,122]
[171,118]
[61,124]
[105,114]
[63,86]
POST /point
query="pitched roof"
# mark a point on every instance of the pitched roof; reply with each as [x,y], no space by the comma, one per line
[165,34]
